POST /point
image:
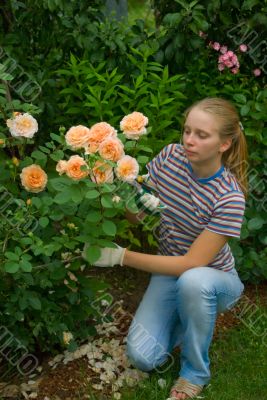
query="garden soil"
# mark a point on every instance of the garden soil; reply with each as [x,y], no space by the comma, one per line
[76,379]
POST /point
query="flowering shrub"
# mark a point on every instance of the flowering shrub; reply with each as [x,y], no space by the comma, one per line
[69,191]
[228,59]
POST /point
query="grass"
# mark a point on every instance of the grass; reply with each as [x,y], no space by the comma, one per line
[238,368]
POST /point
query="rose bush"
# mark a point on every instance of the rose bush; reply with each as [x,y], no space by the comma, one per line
[54,198]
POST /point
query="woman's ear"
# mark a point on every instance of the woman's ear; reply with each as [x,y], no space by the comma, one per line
[225,145]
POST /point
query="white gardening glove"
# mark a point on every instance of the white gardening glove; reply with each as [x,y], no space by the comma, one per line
[109,256]
[150,201]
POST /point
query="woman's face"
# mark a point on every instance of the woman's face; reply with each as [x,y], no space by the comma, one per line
[201,138]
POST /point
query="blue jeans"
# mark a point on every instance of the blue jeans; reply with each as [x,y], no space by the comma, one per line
[181,311]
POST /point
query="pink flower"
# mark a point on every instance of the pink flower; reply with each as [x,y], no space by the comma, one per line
[223,49]
[202,34]
[243,48]
[216,46]
[221,67]
[230,53]
[257,72]
[234,70]
[228,64]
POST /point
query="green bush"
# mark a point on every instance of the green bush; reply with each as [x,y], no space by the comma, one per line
[229,23]
[89,94]
[94,93]
[46,290]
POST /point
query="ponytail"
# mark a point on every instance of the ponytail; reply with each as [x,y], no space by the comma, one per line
[235,158]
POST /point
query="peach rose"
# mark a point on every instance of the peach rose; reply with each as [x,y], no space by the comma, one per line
[127,169]
[102,173]
[77,136]
[22,125]
[33,178]
[111,149]
[73,168]
[61,167]
[133,125]
[98,133]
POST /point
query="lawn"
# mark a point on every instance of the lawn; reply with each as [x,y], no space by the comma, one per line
[238,367]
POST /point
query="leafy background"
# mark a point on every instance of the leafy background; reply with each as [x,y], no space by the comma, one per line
[92,66]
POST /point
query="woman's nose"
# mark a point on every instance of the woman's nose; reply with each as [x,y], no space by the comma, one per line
[189,139]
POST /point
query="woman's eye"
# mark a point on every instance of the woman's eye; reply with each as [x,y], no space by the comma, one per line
[202,136]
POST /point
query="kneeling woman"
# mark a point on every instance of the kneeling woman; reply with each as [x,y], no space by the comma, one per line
[201,184]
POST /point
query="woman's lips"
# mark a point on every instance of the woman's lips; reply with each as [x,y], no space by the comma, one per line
[189,152]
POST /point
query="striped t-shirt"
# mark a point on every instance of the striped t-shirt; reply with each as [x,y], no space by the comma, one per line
[194,204]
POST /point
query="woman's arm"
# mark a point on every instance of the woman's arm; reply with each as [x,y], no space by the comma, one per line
[202,251]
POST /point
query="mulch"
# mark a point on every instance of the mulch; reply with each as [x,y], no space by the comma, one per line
[71,381]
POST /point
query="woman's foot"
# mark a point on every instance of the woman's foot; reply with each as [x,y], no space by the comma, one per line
[183,389]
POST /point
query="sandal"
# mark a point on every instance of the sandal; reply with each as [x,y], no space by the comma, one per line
[182,385]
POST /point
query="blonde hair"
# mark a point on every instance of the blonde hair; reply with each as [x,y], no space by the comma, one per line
[230,127]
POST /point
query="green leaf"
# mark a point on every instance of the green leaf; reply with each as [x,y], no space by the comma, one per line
[57,138]
[244,110]
[62,197]
[34,302]
[93,216]
[11,256]
[92,254]
[92,194]
[106,201]
[60,184]
[57,155]
[11,267]
[76,194]
[58,273]
[39,155]
[142,159]
[43,221]
[109,228]
[240,98]
[25,265]
[255,223]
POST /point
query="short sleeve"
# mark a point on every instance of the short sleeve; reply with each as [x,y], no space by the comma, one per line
[156,164]
[228,215]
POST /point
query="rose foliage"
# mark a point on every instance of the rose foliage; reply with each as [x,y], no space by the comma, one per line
[54,198]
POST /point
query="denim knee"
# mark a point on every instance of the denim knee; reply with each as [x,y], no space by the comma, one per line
[138,360]
[194,281]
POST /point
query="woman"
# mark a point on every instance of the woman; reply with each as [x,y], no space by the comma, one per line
[202,185]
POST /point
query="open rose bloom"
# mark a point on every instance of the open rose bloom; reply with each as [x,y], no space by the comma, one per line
[134,125]
[33,178]
[111,149]
[73,168]
[77,136]
[102,173]
[98,133]
[22,125]
[101,142]
[127,169]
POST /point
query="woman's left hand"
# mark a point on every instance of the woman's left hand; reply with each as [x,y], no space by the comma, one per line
[109,256]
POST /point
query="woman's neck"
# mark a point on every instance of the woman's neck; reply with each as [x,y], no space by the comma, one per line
[205,171]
